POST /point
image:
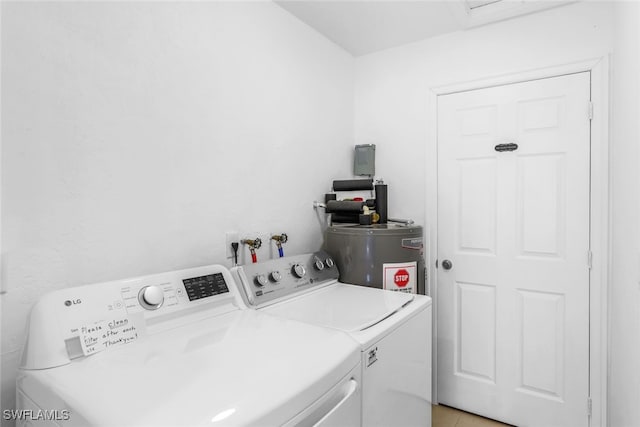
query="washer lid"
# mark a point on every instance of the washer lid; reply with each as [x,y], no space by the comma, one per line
[241,368]
[344,307]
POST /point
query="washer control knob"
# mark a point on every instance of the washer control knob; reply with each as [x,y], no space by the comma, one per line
[261,280]
[329,262]
[319,265]
[151,297]
[298,271]
[275,276]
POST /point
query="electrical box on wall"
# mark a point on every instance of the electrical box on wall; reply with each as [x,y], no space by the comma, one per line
[364,161]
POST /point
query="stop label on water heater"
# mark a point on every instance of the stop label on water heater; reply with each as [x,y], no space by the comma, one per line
[401,277]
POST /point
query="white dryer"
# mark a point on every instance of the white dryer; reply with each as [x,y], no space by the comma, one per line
[175,349]
[393,329]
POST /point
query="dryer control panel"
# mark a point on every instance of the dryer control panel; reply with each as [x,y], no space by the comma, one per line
[80,321]
[268,282]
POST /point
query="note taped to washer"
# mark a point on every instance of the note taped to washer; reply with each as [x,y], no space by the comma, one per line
[101,335]
[400,277]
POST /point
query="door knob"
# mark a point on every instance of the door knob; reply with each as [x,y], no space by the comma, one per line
[447,265]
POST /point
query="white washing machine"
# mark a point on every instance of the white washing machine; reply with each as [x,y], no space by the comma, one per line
[175,349]
[393,330]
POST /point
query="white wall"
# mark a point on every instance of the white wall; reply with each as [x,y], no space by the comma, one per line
[135,134]
[624,384]
[392,86]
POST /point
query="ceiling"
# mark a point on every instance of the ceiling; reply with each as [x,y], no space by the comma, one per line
[366,26]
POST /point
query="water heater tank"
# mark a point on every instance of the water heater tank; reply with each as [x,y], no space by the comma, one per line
[370,255]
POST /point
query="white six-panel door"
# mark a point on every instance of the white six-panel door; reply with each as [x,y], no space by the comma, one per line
[513,309]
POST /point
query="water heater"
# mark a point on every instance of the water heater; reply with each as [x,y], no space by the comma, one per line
[387,256]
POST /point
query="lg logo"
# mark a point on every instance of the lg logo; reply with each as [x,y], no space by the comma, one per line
[71,302]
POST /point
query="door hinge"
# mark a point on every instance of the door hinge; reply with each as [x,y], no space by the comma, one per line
[589,407]
[590,260]
[590,110]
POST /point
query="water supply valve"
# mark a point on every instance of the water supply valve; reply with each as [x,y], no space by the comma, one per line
[280,239]
[253,245]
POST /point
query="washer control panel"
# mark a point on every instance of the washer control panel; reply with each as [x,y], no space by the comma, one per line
[165,292]
[95,318]
[269,281]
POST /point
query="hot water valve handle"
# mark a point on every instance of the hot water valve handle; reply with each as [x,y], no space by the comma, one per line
[253,245]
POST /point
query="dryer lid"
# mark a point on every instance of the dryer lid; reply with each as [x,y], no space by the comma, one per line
[344,307]
[241,368]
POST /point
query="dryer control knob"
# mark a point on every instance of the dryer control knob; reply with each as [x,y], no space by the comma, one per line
[298,271]
[329,262]
[151,297]
[318,265]
[275,276]
[261,280]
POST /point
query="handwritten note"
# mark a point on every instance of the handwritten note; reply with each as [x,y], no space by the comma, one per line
[99,336]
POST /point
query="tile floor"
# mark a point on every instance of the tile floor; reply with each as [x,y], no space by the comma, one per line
[444,416]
